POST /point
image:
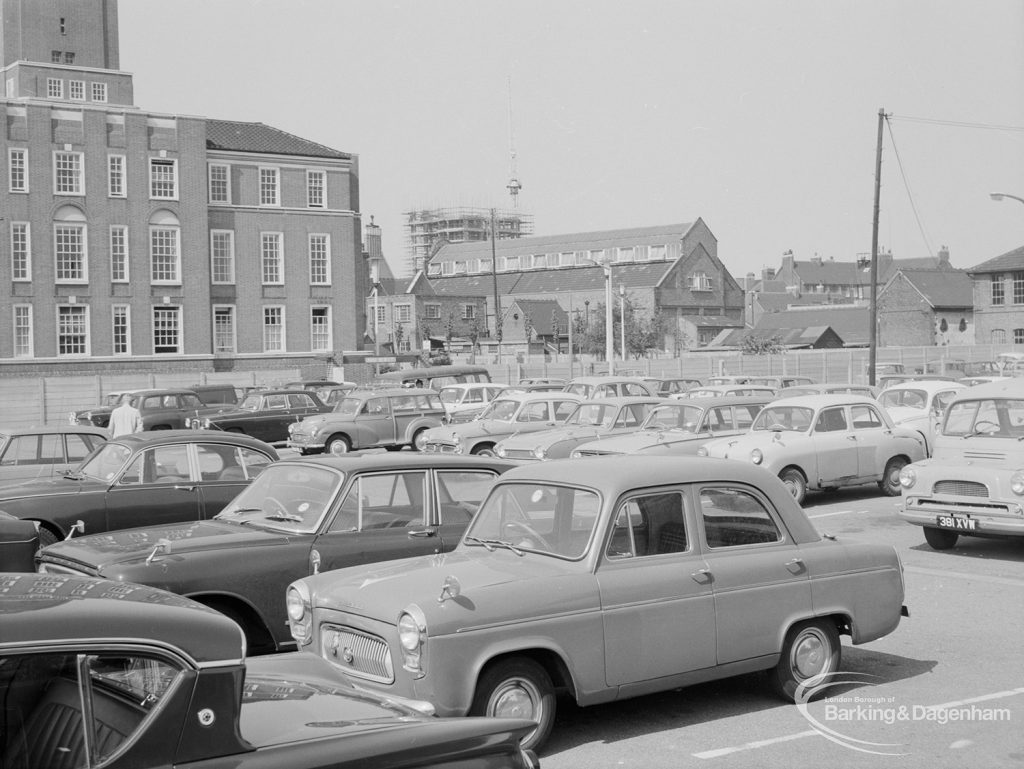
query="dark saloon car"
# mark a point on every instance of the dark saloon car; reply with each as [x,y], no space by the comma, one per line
[97,673]
[139,479]
[29,453]
[265,414]
[160,409]
[299,516]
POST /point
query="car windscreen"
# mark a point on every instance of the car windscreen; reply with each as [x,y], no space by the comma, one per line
[540,517]
[105,462]
[289,497]
[450,394]
[501,409]
[780,417]
[904,397]
[989,417]
[592,415]
[673,418]
[251,402]
[348,407]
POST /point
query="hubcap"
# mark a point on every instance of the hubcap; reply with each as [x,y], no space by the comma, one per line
[516,699]
[339,447]
[810,655]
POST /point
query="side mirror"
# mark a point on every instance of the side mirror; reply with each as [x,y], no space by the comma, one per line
[78,527]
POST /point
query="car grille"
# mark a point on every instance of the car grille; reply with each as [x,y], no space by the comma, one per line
[519,454]
[55,568]
[960,488]
[297,437]
[439,448]
[358,654]
[595,453]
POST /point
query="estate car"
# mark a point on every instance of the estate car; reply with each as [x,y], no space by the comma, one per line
[160,409]
[97,673]
[604,580]
[31,453]
[609,386]
[265,414]
[465,401]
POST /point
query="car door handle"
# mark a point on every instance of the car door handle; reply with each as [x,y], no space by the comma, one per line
[423,533]
[185,488]
[851,437]
[796,566]
[701,576]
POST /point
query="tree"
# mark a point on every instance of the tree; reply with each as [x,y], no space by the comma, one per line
[399,336]
[754,344]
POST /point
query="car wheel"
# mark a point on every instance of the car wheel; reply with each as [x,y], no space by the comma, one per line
[810,653]
[890,483]
[485,450]
[795,482]
[47,537]
[517,688]
[419,438]
[937,539]
[338,445]
[257,639]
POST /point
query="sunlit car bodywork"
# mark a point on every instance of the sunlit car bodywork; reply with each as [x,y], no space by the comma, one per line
[974,483]
[603,580]
[609,386]
[919,405]
[464,401]
[824,442]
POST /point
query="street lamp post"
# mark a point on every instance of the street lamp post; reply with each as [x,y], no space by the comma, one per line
[622,320]
[1001,195]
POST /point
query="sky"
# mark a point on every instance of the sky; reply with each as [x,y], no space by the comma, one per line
[760,117]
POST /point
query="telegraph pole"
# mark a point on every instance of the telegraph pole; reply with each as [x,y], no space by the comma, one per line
[494,275]
[873,331]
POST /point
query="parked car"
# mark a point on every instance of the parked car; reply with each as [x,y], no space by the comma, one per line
[508,414]
[19,541]
[592,387]
[464,401]
[542,380]
[827,388]
[143,478]
[436,377]
[728,379]
[954,367]
[161,409]
[572,578]
[779,382]
[727,390]
[989,368]
[973,484]
[98,673]
[34,453]
[536,387]
[391,418]
[681,427]
[331,394]
[824,442]
[216,394]
[971,381]
[264,414]
[666,386]
[891,380]
[299,516]
[309,384]
[919,405]
[592,419]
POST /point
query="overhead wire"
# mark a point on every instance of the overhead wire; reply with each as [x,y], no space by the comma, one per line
[956,123]
[906,185]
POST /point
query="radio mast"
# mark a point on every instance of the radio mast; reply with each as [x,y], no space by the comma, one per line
[513,185]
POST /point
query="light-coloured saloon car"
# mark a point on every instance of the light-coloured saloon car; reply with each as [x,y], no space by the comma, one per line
[464,401]
[591,419]
[919,405]
[722,390]
[974,482]
[604,580]
[681,427]
[508,414]
[590,387]
[824,442]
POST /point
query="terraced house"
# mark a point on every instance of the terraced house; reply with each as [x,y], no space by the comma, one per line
[145,240]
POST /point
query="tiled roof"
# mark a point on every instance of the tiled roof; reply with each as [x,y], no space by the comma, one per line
[581,241]
[852,324]
[943,288]
[713,321]
[776,302]
[788,337]
[561,280]
[541,309]
[235,136]
[1011,260]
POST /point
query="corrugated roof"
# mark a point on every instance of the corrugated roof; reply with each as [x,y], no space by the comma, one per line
[580,241]
[1011,260]
[943,288]
[235,136]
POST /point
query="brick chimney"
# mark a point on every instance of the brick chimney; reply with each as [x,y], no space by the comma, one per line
[944,256]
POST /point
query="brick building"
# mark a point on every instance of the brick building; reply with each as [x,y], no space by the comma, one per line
[925,308]
[134,240]
[999,299]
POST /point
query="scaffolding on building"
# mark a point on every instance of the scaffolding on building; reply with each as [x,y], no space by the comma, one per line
[426,229]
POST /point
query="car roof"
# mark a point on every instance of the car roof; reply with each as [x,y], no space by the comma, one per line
[379,392]
[45,608]
[721,400]
[283,391]
[358,461]
[533,395]
[1011,387]
[160,391]
[626,400]
[928,385]
[159,437]
[605,379]
[51,430]
[468,386]
[828,399]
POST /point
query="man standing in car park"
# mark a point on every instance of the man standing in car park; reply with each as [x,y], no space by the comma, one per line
[125,419]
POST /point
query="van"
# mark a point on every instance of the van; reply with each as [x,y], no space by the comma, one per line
[216,394]
[436,377]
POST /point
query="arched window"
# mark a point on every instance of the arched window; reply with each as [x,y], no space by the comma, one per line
[71,262]
[164,248]
[998,336]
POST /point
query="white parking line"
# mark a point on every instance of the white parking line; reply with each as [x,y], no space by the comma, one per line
[719,752]
[1010,581]
[838,512]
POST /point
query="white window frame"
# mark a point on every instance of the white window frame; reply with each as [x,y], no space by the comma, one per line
[25,349]
[228,237]
[175,278]
[125,311]
[278,239]
[658,253]
[83,256]
[119,256]
[403,313]
[469,312]
[170,310]
[448,268]
[76,90]
[21,273]
[227,310]
[266,173]
[116,176]
[54,88]
[17,164]
[326,333]
[428,309]
[382,313]
[99,92]
[699,281]
[76,173]
[267,342]
[210,182]
[326,258]
[316,192]
[83,310]
[157,185]
[625,254]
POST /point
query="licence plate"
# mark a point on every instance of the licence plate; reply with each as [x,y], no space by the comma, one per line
[956,522]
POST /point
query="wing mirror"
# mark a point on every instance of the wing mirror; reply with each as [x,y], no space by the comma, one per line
[78,527]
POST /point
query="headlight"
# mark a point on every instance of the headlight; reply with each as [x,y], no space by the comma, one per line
[456,437]
[408,632]
[296,608]
[300,613]
[292,426]
[412,636]
[540,452]
[1016,483]
[702,451]
[908,477]
[500,450]
[576,454]
[756,456]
